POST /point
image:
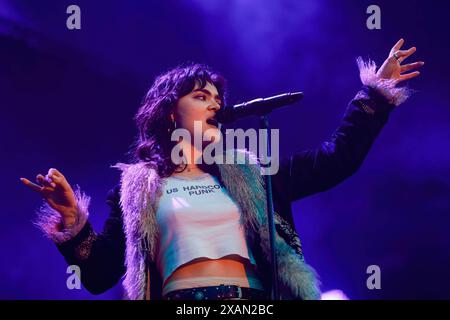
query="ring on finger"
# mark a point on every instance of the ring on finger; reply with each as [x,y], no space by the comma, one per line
[396,57]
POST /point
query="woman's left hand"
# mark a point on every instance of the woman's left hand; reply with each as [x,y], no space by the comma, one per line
[392,68]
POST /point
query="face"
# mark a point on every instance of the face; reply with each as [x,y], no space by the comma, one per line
[199,105]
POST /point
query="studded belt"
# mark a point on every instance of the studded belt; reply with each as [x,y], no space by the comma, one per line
[220,292]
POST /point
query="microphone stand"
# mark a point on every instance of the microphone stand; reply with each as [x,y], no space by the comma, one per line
[264,124]
[262,107]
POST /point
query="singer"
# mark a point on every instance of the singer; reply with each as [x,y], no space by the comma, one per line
[171,242]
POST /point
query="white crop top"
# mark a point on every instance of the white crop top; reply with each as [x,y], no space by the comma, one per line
[197,218]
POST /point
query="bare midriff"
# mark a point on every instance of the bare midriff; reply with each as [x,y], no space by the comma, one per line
[226,267]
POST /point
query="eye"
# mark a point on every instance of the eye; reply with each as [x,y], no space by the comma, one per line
[202,97]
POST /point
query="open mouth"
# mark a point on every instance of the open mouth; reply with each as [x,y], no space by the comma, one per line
[213,122]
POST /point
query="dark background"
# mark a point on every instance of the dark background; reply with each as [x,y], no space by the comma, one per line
[67,99]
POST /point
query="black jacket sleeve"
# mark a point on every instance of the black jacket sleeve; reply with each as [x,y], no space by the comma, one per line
[320,169]
[101,256]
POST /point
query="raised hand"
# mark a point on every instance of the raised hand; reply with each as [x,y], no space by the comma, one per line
[392,68]
[58,193]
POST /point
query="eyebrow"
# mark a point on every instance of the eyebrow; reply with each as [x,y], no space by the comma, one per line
[208,93]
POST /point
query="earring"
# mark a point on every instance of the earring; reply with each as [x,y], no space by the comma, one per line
[174,126]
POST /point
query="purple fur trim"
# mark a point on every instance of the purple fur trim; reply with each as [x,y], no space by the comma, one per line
[50,222]
[368,75]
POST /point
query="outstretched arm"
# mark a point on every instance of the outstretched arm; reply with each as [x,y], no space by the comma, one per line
[317,170]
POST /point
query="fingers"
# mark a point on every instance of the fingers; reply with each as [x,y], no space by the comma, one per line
[54,175]
[398,45]
[409,52]
[52,180]
[45,181]
[58,178]
[55,172]
[409,76]
[31,185]
[411,66]
[403,54]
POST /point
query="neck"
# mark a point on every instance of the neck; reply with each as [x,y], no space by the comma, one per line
[192,154]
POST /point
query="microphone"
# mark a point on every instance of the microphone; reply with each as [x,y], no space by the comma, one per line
[256,107]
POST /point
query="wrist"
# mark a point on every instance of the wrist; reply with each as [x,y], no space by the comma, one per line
[62,225]
[68,222]
[384,87]
[69,217]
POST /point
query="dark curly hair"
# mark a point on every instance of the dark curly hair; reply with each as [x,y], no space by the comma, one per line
[153,144]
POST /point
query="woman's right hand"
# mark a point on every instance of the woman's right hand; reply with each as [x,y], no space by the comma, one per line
[58,193]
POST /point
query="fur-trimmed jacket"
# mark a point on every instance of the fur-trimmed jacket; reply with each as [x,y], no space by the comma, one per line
[126,248]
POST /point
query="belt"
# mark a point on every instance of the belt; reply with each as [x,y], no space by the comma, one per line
[216,293]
